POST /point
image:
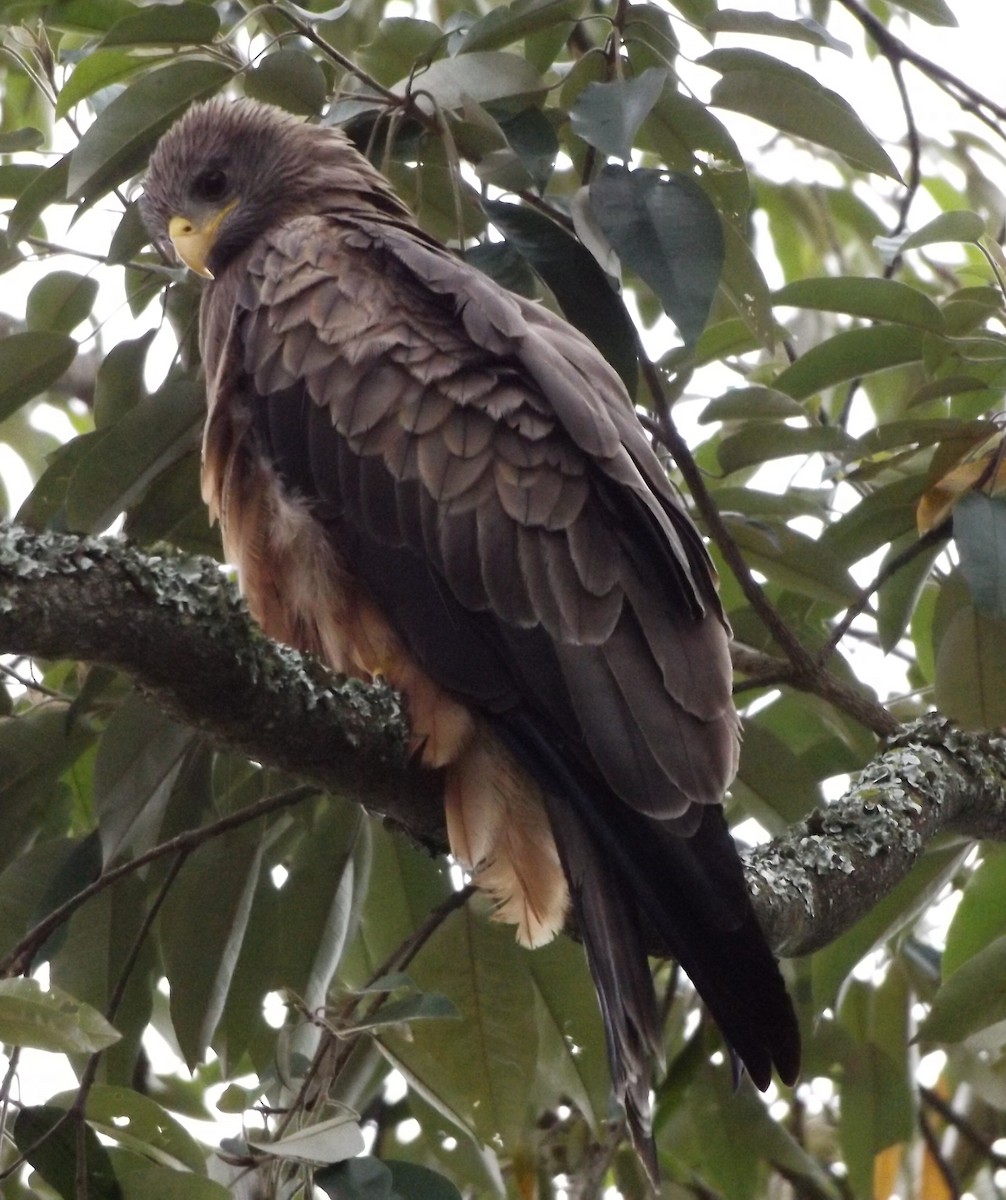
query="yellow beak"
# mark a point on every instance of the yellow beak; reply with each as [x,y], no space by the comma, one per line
[193,243]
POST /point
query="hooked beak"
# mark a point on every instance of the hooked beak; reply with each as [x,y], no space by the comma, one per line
[193,243]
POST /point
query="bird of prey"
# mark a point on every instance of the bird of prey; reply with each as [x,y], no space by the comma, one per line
[423,477]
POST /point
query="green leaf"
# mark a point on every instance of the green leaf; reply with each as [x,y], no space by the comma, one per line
[533,139]
[936,12]
[971,669]
[289,78]
[320,900]
[876,1110]
[898,596]
[181,24]
[486,76]
[794,561]
[161,1183]
[766,24]
[119,383]
[971,999]
[29,364]
[410,1181]
[141,1124]
[764,441]
[118,143]
[576,280]
[608,115]
[399,44]
[54,1153]
[849,355]
[50,1020]
[898,910]
[751,404]
[47,188]
[329,1141]
[482,1068]
[664,227]
[508,23]
[361,1178]
[420,1006]
[97,70]
[156,432]
[139,759]
[793,101]
[980,917]
[980,535]
[21,139]
[61,301]
[219,878]
[25,883]
[874,299]
[766,760]
[947,227]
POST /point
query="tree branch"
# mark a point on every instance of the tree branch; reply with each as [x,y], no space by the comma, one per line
[178,629]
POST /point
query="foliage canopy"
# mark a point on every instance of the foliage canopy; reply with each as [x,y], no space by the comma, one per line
[836,299]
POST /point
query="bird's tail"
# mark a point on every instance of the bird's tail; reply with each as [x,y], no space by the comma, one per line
[639,887]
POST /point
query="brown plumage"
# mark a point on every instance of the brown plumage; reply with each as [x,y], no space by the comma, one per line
[424,477]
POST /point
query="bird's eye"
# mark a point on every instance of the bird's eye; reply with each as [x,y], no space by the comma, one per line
[210,185]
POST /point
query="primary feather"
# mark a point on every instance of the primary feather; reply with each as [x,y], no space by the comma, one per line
[424,477]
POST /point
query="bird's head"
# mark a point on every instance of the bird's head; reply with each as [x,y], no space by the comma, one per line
[229,170]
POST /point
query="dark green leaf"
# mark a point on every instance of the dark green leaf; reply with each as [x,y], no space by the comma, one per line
[219,878]
[138,761]
[156,432]
[118,143]
[90,16]
[119,385]
[664,227]
[794,561]
[61,301]
[607,115]
[578,283]
[410,1181]
[290,79]
[53,1152]
[876,1109]
[898,596]
[980,534]
[793,101]
[875,299]
[320,901]
[530,135]
[361,1178]
[849,355]
[47,188]
[29,364]
[181,24]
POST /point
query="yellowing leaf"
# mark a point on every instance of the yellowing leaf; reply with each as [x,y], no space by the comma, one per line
[937,503]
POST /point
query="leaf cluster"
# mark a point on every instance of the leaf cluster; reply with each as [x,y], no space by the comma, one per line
[678,182]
